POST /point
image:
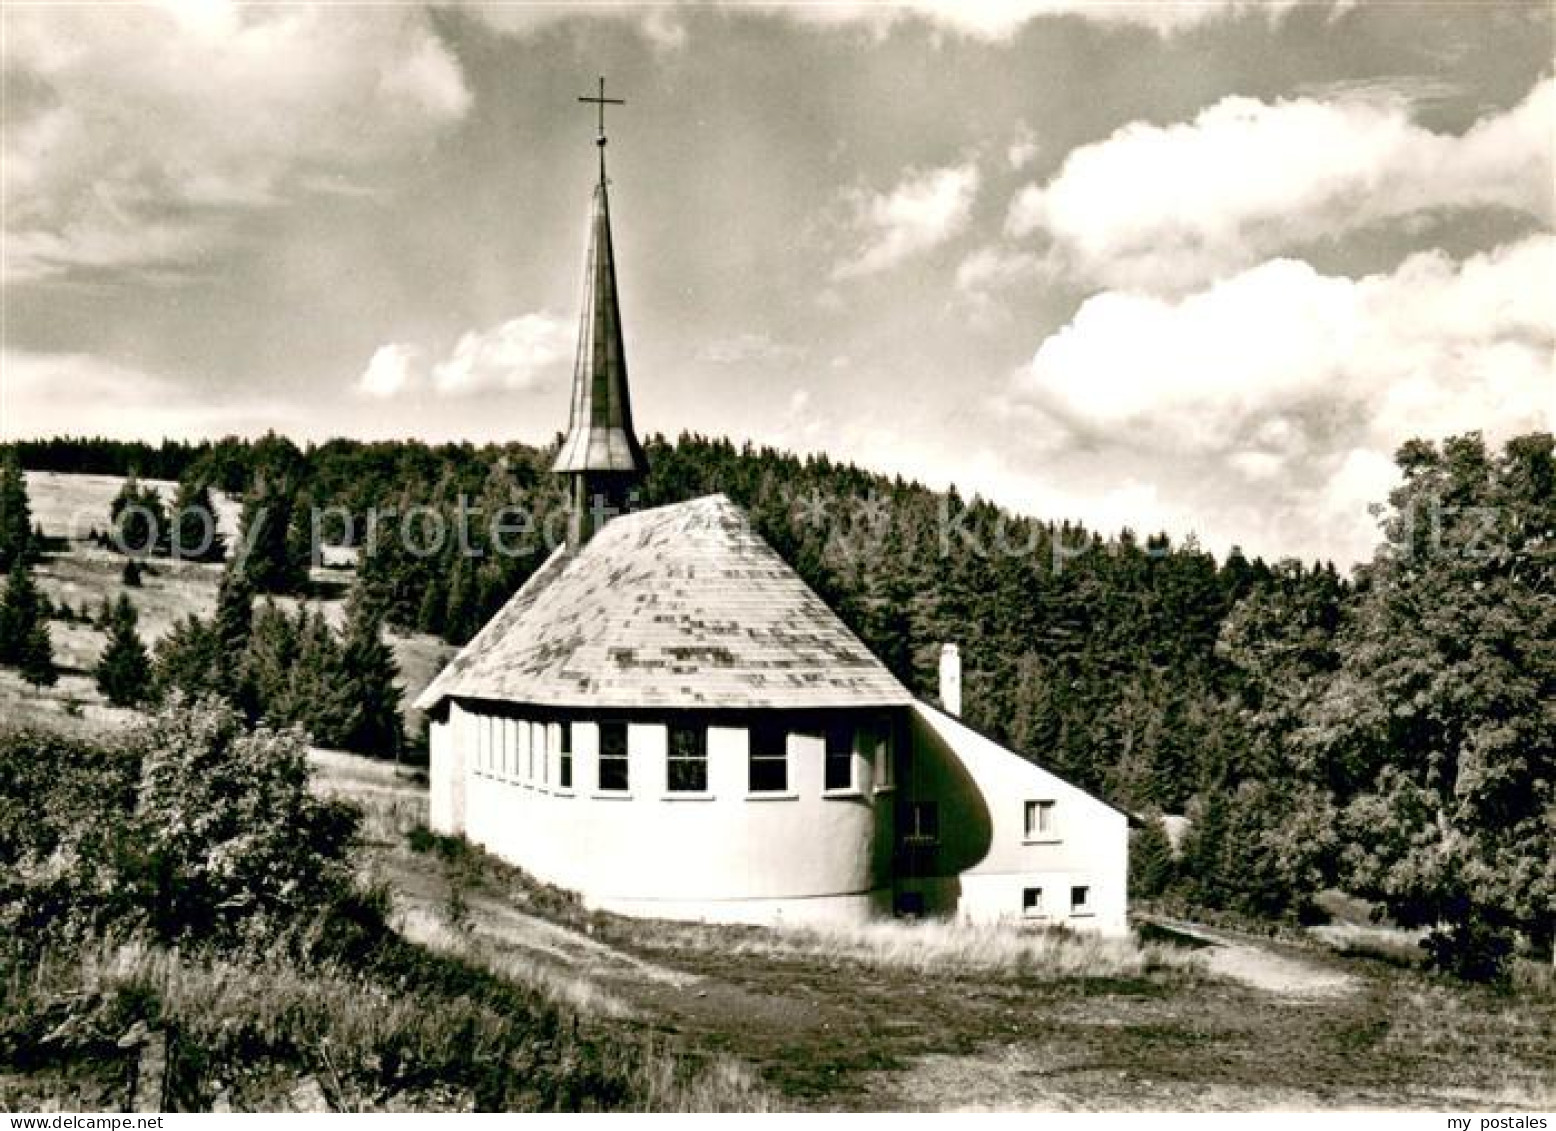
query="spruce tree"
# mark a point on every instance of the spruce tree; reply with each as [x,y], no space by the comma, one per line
[19,611]
[371,671]
[188,659]
[15,512]
[267,546]
[24,629]
[124,670]
[137,521]
[195,533]
[1151,864]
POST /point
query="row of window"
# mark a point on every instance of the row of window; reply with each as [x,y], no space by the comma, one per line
[522,750]
[1032,901]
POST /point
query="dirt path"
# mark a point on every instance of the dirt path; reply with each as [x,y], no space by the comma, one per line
[1282,971]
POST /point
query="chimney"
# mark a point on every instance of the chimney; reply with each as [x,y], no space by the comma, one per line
[951,679]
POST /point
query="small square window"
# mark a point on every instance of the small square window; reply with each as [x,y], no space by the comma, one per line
[613,758]
[1080,900]
[1032,903]
[839,772]
[687,770]
[769,759]
[1040,821]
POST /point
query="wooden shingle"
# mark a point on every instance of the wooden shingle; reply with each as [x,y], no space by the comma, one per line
[679,606]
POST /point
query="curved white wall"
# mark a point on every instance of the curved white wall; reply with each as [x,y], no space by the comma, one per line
[726,854]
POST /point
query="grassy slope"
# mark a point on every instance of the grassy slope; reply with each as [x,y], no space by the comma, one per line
[899,1017]
[82,575]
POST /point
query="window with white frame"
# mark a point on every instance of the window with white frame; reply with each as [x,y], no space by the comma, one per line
[1032,903]
[875,746]
[524,769]
[613,761]
[838,773]
[768,758]
[1080,900]
[1040,820]
[687,768]
[504,747]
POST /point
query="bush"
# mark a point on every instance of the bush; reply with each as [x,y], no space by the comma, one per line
[194,832]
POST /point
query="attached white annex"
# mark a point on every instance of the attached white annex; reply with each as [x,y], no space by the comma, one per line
[666,720]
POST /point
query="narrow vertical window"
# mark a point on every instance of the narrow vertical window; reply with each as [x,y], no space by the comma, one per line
[875,746]
[565,755]
[687,771]
[613,758]
[839,773]
[537,737]
[769,759]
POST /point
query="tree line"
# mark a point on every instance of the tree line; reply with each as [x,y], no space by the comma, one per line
[1390,732]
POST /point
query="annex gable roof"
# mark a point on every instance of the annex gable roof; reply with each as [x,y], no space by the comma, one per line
[676,607]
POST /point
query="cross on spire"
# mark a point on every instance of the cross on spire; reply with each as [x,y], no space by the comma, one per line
[601,101]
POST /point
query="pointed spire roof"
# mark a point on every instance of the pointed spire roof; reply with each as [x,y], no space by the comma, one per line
[599,434]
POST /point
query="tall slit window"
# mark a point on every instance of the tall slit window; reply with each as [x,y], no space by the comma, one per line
[687,771]
[537,738]
[769,759]
[613,758]
[565,755]
[839,773]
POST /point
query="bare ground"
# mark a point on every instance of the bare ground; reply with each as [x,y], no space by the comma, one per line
[1265,1026]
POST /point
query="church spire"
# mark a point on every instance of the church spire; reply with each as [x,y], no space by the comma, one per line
[601,453]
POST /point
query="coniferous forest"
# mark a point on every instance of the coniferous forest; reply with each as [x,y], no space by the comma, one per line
[1391,732]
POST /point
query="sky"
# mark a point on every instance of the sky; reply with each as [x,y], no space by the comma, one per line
[1198,268]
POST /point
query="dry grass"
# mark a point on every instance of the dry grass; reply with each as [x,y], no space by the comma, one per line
[428,1038]
[936,948]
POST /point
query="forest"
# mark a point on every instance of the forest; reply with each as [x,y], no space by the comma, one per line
[1391,732]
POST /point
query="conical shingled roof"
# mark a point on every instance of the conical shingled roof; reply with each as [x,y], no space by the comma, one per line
[676,607]
[599,432]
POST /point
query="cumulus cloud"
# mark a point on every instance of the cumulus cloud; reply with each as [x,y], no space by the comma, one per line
[137,133]
[121,401]
[521,354]
[995,20]
[923,211]
[659,24]
[1285,392]
[1169,207]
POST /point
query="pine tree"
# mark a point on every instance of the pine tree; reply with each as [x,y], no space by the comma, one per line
[124,670]
[188,659]
[37,659]
[1151,864]
[24,629]
[15,512]
[371,671]
[266,544]
[18,612]
[195,533]
[137,521]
